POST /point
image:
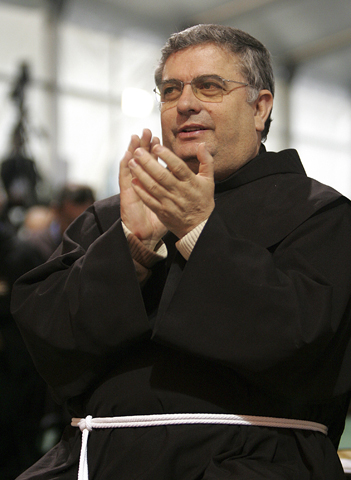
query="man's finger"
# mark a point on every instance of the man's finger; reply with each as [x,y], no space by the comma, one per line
[146,139]
[134,143]
[175,164]
[124,171]
[154,178]
[206,164]
[155,141]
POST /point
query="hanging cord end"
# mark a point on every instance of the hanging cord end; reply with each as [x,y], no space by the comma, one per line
[85,425]
[75,422]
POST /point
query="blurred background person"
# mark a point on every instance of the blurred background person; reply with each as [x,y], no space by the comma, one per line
[37,219]
[44,227]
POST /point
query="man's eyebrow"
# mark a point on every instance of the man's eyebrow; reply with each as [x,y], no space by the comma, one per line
[197,76]
[170,80]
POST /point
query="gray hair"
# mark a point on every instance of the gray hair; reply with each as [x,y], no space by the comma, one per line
[255,59]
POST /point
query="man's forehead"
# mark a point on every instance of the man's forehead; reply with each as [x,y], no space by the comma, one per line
[208,58]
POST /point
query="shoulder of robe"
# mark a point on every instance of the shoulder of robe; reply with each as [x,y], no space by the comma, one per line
[107,211]
[270,208]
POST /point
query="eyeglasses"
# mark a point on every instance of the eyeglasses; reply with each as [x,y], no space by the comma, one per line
[207,88]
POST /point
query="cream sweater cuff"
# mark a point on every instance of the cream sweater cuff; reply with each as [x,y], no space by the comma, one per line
[186,244]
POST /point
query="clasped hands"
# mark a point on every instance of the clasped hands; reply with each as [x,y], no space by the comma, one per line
[155,199]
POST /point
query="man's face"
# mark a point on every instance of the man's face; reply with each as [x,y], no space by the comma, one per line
[229,129]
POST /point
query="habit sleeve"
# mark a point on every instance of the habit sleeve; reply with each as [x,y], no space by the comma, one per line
[81,307]
[278,314]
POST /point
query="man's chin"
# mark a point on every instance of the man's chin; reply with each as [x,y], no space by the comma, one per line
[188,153]
[192,163]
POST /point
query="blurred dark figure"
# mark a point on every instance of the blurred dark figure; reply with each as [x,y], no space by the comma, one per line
[70,201]
[22,390]
[19,174]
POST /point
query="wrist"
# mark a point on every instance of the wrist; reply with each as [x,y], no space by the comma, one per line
[146,252]
[149,243]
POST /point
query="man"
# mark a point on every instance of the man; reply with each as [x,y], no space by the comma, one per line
[213,294]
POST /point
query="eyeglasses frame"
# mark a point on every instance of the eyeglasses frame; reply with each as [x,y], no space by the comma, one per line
[224,92]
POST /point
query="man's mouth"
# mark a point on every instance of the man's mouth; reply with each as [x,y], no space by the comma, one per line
[190,129]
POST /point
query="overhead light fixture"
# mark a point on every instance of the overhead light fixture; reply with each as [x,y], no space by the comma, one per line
[137,102]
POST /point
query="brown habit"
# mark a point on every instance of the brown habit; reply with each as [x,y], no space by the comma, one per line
[256,322]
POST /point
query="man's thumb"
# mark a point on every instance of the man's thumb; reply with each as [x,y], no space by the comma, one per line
[206,167]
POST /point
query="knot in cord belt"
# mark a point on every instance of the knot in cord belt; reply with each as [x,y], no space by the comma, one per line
[88,423]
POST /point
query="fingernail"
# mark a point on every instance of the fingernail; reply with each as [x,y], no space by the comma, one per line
[132,163]
[138,152]
[157,149]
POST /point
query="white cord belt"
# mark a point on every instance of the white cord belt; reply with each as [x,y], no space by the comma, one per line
[87,424]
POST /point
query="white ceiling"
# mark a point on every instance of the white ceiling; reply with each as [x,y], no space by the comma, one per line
[313,35]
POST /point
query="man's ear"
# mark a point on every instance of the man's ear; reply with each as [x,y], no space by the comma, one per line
[263,106]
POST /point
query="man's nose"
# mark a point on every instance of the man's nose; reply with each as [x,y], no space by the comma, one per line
[187,101]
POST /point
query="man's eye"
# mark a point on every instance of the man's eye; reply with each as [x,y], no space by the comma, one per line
[170,90]
[210,88]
